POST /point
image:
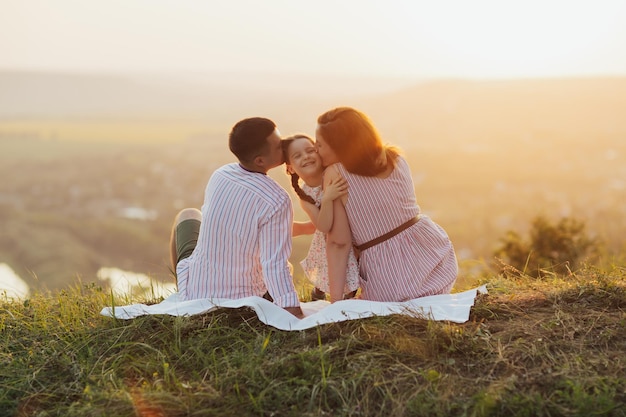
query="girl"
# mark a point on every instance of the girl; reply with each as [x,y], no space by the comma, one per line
[303,162]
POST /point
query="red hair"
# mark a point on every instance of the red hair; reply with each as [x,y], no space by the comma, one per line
[356,142]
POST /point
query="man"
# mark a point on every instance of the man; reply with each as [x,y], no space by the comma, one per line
[239,244]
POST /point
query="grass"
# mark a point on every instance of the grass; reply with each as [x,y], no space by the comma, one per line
[531,348]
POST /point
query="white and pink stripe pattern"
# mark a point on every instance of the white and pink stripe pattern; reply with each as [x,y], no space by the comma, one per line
[417,262]
[244,242]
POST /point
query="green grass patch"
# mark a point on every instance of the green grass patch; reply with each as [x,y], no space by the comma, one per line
[530,348]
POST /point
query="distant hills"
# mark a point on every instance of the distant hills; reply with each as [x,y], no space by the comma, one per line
[462,108]
[453,110]
[30,95]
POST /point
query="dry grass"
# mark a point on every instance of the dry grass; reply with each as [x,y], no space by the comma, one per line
[530,348]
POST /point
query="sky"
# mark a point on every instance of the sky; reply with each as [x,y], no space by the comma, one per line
[391,38]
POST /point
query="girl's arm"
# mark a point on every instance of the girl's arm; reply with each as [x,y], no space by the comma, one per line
[322,217]
[311,210]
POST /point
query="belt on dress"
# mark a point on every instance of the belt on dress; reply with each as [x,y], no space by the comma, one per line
[360,248]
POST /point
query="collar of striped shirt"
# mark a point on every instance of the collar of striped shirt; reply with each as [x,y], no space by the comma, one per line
[249,170]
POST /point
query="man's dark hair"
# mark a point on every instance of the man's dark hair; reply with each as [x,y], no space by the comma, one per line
[248,138]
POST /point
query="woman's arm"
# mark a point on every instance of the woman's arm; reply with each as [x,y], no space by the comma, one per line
[335,188]
[338,243]
[338,247]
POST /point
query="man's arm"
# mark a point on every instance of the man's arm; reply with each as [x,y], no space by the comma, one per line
[275,249]
[296,311]
[302,228]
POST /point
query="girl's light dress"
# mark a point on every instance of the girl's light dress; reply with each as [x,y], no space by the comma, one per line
[315,265]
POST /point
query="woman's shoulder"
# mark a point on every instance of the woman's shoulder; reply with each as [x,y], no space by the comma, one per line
[333,171]
[399,161]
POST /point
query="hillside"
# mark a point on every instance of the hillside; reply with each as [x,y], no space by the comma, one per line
[461,111]
[487,157]
[530,348]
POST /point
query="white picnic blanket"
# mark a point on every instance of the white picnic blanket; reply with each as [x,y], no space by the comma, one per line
[446,307]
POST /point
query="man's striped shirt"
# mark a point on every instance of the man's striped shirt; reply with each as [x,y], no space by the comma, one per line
[244,242]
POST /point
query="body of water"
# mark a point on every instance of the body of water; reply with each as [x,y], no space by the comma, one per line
[133,285]
[11,285]
[123,283]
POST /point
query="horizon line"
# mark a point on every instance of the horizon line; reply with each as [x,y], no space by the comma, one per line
[303,74]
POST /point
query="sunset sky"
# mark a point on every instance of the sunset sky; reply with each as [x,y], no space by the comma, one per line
[414,38]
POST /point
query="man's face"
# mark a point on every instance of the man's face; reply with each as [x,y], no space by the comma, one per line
[274,154]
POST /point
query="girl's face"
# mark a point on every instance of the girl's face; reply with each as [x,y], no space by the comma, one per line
[303,159]
[325,152]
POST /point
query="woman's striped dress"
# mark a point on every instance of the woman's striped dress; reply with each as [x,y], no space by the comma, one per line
[418,261]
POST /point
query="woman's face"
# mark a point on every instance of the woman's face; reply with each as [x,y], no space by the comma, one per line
[302,157]
[324,150]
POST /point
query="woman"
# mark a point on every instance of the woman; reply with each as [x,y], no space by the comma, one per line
[403,254]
